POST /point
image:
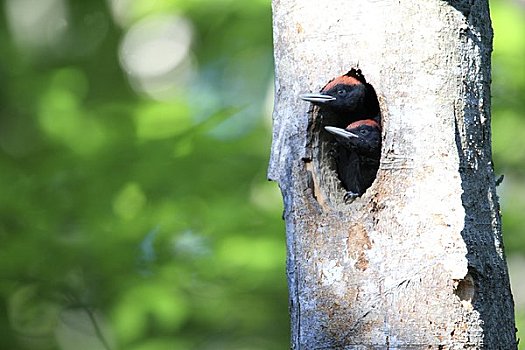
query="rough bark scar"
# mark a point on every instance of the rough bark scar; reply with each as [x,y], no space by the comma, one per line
[316,190]
[357,242]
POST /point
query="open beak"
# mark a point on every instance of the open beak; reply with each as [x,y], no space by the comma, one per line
[340,132]
[317,98]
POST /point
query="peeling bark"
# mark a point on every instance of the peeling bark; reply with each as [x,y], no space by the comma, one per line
[417,261]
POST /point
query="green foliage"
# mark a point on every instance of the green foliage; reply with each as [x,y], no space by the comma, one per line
[153,213]
[508,121]
[135,211]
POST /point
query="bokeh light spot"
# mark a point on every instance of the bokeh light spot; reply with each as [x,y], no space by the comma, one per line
[77,330]
[63,118]
[251,252]
[32,317]
[37,24]
[147,304]
[162,120]
[155,54]
[129,201]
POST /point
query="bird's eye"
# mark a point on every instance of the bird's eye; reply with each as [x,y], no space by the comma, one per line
[364,132]
[341,92]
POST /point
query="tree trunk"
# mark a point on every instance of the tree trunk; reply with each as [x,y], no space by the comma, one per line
[417,261]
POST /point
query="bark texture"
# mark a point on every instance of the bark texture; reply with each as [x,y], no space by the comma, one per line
[417,261]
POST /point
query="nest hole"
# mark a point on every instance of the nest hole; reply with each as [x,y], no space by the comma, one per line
[324,177]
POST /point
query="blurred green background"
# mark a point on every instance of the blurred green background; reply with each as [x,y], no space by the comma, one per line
[134,140]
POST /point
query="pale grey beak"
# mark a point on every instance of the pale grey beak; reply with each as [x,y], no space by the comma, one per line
[340,132]
[317,98]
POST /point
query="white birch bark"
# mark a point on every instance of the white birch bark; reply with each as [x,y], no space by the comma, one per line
[417,261]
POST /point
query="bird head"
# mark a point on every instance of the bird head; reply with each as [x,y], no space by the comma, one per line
[348,97]
[343,94]
[364,136]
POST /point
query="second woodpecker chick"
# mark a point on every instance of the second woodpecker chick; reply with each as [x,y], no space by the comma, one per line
[358,152]
[346,99]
